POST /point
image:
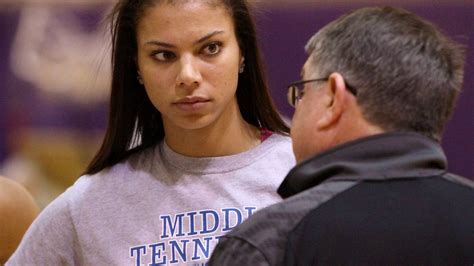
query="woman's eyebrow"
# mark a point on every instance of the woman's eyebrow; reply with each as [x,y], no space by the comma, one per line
[201,40]
[207,36]
[158,43]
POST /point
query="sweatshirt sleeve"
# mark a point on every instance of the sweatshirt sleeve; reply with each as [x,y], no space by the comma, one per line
[235,251]
[50,240]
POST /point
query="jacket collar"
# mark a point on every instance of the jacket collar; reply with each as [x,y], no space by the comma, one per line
[379,157]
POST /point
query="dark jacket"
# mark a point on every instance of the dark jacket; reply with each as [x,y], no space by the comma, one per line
[381,200]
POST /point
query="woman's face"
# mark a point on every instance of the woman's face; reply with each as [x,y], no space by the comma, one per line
[188,58]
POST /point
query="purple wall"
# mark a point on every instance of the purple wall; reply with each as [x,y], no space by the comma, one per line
[7,28]
[23,106]
[284,32]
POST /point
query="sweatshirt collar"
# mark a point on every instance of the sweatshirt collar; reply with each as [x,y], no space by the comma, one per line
[379,157]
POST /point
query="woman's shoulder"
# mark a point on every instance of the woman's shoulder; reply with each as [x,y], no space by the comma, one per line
[119,172]
[276,149]
[279,141]
[88,193]
[278,137]
[134,164]
[119,176]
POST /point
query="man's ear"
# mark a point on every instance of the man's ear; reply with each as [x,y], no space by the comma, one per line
[336,95]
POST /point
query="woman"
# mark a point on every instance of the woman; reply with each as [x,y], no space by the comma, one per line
[194,144]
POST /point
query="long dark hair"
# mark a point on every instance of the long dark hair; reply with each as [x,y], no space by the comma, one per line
[133,119]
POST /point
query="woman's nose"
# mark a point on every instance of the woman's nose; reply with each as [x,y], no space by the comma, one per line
[189,74]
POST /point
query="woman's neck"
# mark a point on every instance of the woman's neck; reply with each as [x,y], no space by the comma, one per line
[228,135]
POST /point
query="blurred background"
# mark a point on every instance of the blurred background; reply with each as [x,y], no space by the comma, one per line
[55,74]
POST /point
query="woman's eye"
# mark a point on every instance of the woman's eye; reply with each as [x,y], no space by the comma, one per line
[212,49]
[164,56]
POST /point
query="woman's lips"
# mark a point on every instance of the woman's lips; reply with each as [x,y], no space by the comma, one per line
[191,103]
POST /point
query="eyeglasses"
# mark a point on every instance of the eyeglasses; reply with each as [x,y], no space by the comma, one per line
[296,90]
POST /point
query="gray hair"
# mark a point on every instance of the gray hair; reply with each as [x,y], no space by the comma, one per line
[406,72]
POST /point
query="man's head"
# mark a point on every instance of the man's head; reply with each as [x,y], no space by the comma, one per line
[406,76]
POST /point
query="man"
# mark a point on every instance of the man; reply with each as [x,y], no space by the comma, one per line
[371,185]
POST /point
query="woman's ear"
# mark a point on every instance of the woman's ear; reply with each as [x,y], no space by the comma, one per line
[139,77]
[242,64]
[335,105]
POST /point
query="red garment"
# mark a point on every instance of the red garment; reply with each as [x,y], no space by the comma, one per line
[264,134]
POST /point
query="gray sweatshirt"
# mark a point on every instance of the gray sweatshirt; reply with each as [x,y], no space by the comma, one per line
[158,207]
